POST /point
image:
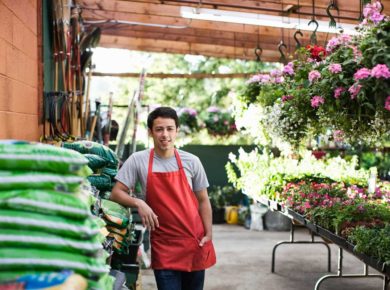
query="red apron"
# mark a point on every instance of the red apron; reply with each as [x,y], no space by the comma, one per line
[175,244]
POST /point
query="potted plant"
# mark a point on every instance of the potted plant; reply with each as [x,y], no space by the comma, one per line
[218,203]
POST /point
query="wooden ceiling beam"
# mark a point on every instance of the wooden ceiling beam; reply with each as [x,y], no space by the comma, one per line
[185,48]
[249,41]
[181,22]
[306,5]
[176,76]
[109,6]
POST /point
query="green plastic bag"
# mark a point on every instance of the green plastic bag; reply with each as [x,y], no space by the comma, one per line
[89,147]
[110,172]
[115,214]
[79,229]
[29,156]
[10,180]
[17,259]
[95,162]
[101,181]
[33,239]
[46,202]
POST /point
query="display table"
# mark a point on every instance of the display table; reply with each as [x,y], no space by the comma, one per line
[342,244]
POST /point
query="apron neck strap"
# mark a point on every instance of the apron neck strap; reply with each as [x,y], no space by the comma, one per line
[151,157]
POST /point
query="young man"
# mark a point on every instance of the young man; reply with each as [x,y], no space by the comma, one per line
[176,208]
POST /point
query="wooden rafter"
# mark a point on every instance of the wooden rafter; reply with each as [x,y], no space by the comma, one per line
[143,25]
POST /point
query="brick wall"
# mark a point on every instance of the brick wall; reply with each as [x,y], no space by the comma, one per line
[19,83]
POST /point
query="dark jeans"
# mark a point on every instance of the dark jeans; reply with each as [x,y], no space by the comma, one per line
[179,280]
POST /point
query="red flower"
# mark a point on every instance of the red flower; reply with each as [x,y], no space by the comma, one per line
[316,52]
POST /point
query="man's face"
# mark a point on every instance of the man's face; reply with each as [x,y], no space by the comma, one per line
[164,133]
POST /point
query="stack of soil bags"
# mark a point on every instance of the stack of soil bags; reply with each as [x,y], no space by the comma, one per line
[103,162]
[46,225]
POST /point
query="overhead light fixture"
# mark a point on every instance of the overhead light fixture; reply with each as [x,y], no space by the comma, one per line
[262,20]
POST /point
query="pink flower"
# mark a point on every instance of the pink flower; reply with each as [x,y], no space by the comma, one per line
[316,101]
[362,73]
[338,135]
[314,75]
[259,78]
[380,71]
[338,91]
[275,73]
[334,42]
[335,68]
[213,109]
[354,90]
[387,103]
[372,12]
[376,17]
[289,69]
[279,80]
[265,79]
[286,98]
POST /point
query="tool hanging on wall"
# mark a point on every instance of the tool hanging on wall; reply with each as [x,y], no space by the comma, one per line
[313,36]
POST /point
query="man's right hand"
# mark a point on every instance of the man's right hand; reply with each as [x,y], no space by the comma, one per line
[148,217]
[120,194]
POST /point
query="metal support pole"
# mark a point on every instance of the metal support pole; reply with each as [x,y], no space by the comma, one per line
[341,275]
[292,241]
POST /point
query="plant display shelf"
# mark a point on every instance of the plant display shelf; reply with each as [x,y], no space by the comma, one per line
[342,244]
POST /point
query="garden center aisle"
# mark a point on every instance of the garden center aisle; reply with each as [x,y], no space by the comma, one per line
[244,263]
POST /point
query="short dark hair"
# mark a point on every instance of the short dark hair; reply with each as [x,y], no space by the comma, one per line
[163,112]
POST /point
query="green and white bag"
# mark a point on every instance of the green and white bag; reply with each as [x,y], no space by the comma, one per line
[95,162]
[46,202]
[10,180]
[10,238]
[88,147]
[79,229]
[18,259]
[115,214]
[31,156]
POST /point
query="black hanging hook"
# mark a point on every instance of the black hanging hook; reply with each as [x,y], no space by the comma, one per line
[298,44]
[283,58]
[313,36]
[258,53]
[332,5]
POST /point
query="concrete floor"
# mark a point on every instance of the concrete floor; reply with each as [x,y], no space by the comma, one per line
[244,263]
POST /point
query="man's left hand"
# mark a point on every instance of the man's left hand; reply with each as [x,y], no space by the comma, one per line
[204,240]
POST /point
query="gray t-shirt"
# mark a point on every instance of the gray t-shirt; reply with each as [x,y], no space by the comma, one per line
[135,169]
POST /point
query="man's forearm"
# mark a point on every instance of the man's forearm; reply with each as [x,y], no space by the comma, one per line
[122,197]
[205,213]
